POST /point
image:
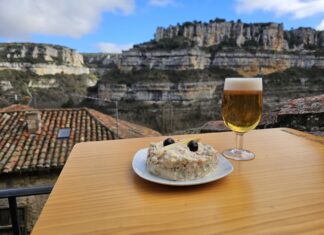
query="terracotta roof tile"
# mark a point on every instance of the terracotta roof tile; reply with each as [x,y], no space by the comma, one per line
[21,151]
[125,129]
[15,107]
[306,105]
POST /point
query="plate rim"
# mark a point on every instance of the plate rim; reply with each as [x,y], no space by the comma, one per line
[159,180]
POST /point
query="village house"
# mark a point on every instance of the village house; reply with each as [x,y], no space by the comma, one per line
[35,145]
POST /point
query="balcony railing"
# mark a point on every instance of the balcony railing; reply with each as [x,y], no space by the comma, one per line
[13,193]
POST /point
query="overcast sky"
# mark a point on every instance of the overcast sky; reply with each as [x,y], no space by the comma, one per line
[115,25]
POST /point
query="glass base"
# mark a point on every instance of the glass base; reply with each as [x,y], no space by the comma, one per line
[239,154]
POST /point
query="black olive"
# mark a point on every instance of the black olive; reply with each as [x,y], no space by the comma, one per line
[193,146]
[168,141]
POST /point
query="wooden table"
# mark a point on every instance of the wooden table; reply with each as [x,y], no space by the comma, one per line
[281,191]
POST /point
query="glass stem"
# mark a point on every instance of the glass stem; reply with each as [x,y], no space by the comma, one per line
[239,140]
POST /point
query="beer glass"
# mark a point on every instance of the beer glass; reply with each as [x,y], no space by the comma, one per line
[241,111]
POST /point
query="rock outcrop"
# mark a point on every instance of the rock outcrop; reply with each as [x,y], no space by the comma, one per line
[250,49]
[304,39]
[251,64]
[41,58]
[174,105]
[99,60]
[264,36]
[159,92]
[269,36]
[182,59]
[99,63]
[245,62]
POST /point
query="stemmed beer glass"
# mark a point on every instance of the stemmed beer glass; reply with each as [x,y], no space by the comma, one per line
[241,111]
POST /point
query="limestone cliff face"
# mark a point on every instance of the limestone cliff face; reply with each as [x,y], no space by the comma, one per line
[41,58]
[164,106]
[304,39]
[101,60]
[264,36]
[270,36]
[245,62]
[182,59]
[251,64]
[250,49]
[159,92]
[99,63]
[169,106]
[43,69]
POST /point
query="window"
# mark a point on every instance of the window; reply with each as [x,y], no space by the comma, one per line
[64,133]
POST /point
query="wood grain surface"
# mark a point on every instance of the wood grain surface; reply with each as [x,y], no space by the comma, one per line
[281,191]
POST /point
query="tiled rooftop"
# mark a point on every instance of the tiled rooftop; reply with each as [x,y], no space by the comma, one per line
[126,129]
[306,105]
[22,151]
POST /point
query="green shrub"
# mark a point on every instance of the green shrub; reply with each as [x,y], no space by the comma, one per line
[168,44]
[251,44]
[175,76]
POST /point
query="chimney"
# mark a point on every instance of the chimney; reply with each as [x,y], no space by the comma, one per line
[33,119]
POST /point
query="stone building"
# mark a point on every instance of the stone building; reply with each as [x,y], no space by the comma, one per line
[35,144]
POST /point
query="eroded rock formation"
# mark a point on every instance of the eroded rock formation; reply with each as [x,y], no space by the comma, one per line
[41,58]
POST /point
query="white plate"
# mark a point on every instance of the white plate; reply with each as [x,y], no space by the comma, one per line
[223,168]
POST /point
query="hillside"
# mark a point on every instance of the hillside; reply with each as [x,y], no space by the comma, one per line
[248,48]
[45,91]
[168,100]
[174,81]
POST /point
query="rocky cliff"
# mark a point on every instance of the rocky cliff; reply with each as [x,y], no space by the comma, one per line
[261,63]
[99,63]
[41,58]
[175,100]
[179,59]
[264,36]
[269,36]
[250,49]
[160,92]
[245,62]
[176,80]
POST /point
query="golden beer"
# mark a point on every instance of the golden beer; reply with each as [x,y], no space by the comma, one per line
[242,109]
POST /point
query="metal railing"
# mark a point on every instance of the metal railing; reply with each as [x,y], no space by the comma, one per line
[13,193]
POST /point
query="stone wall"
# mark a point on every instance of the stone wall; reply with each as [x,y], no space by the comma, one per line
[33,205]
[305,114]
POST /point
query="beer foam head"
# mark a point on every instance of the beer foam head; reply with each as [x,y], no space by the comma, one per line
[245,84]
